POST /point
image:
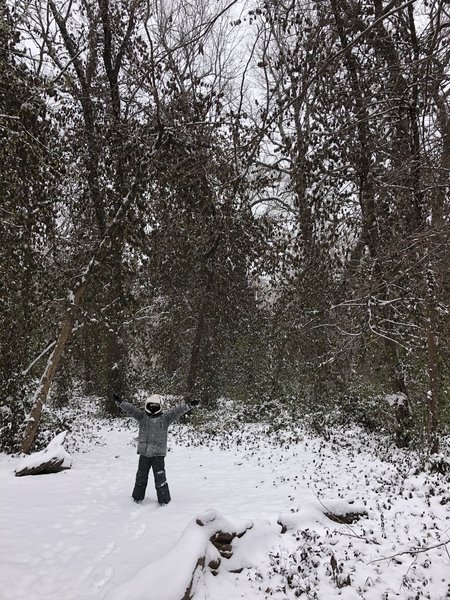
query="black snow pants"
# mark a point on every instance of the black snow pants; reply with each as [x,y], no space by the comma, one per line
[159,474]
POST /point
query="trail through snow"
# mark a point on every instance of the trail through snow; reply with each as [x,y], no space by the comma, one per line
[77,535]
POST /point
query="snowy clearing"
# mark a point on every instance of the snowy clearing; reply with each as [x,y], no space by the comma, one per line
[77,535]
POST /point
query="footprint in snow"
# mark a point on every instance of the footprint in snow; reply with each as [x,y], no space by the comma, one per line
[105,578]
[140,532]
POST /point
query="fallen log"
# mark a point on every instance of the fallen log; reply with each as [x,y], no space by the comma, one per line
[178,574]
[319,511]
[53,459]
[221,535]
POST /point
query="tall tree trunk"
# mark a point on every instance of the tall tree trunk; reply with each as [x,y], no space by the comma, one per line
[201,328]
[433,394]
[112,61]
[34,417]
[75,301]
[367,199]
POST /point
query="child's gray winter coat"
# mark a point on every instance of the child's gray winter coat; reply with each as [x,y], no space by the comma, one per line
[152,440]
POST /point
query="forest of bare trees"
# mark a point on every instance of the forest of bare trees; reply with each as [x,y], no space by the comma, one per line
[227,199]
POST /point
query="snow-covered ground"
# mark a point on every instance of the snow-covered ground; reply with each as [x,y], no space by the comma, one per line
[77,535]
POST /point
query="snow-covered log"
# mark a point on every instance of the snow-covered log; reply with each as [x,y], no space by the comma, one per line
[53,459]
[320,511]
[177,575]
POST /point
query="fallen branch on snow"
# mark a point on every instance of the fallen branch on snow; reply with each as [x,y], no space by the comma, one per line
[411,552]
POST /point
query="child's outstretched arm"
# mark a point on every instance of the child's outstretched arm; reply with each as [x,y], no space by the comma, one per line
[175,413]
[128,408]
